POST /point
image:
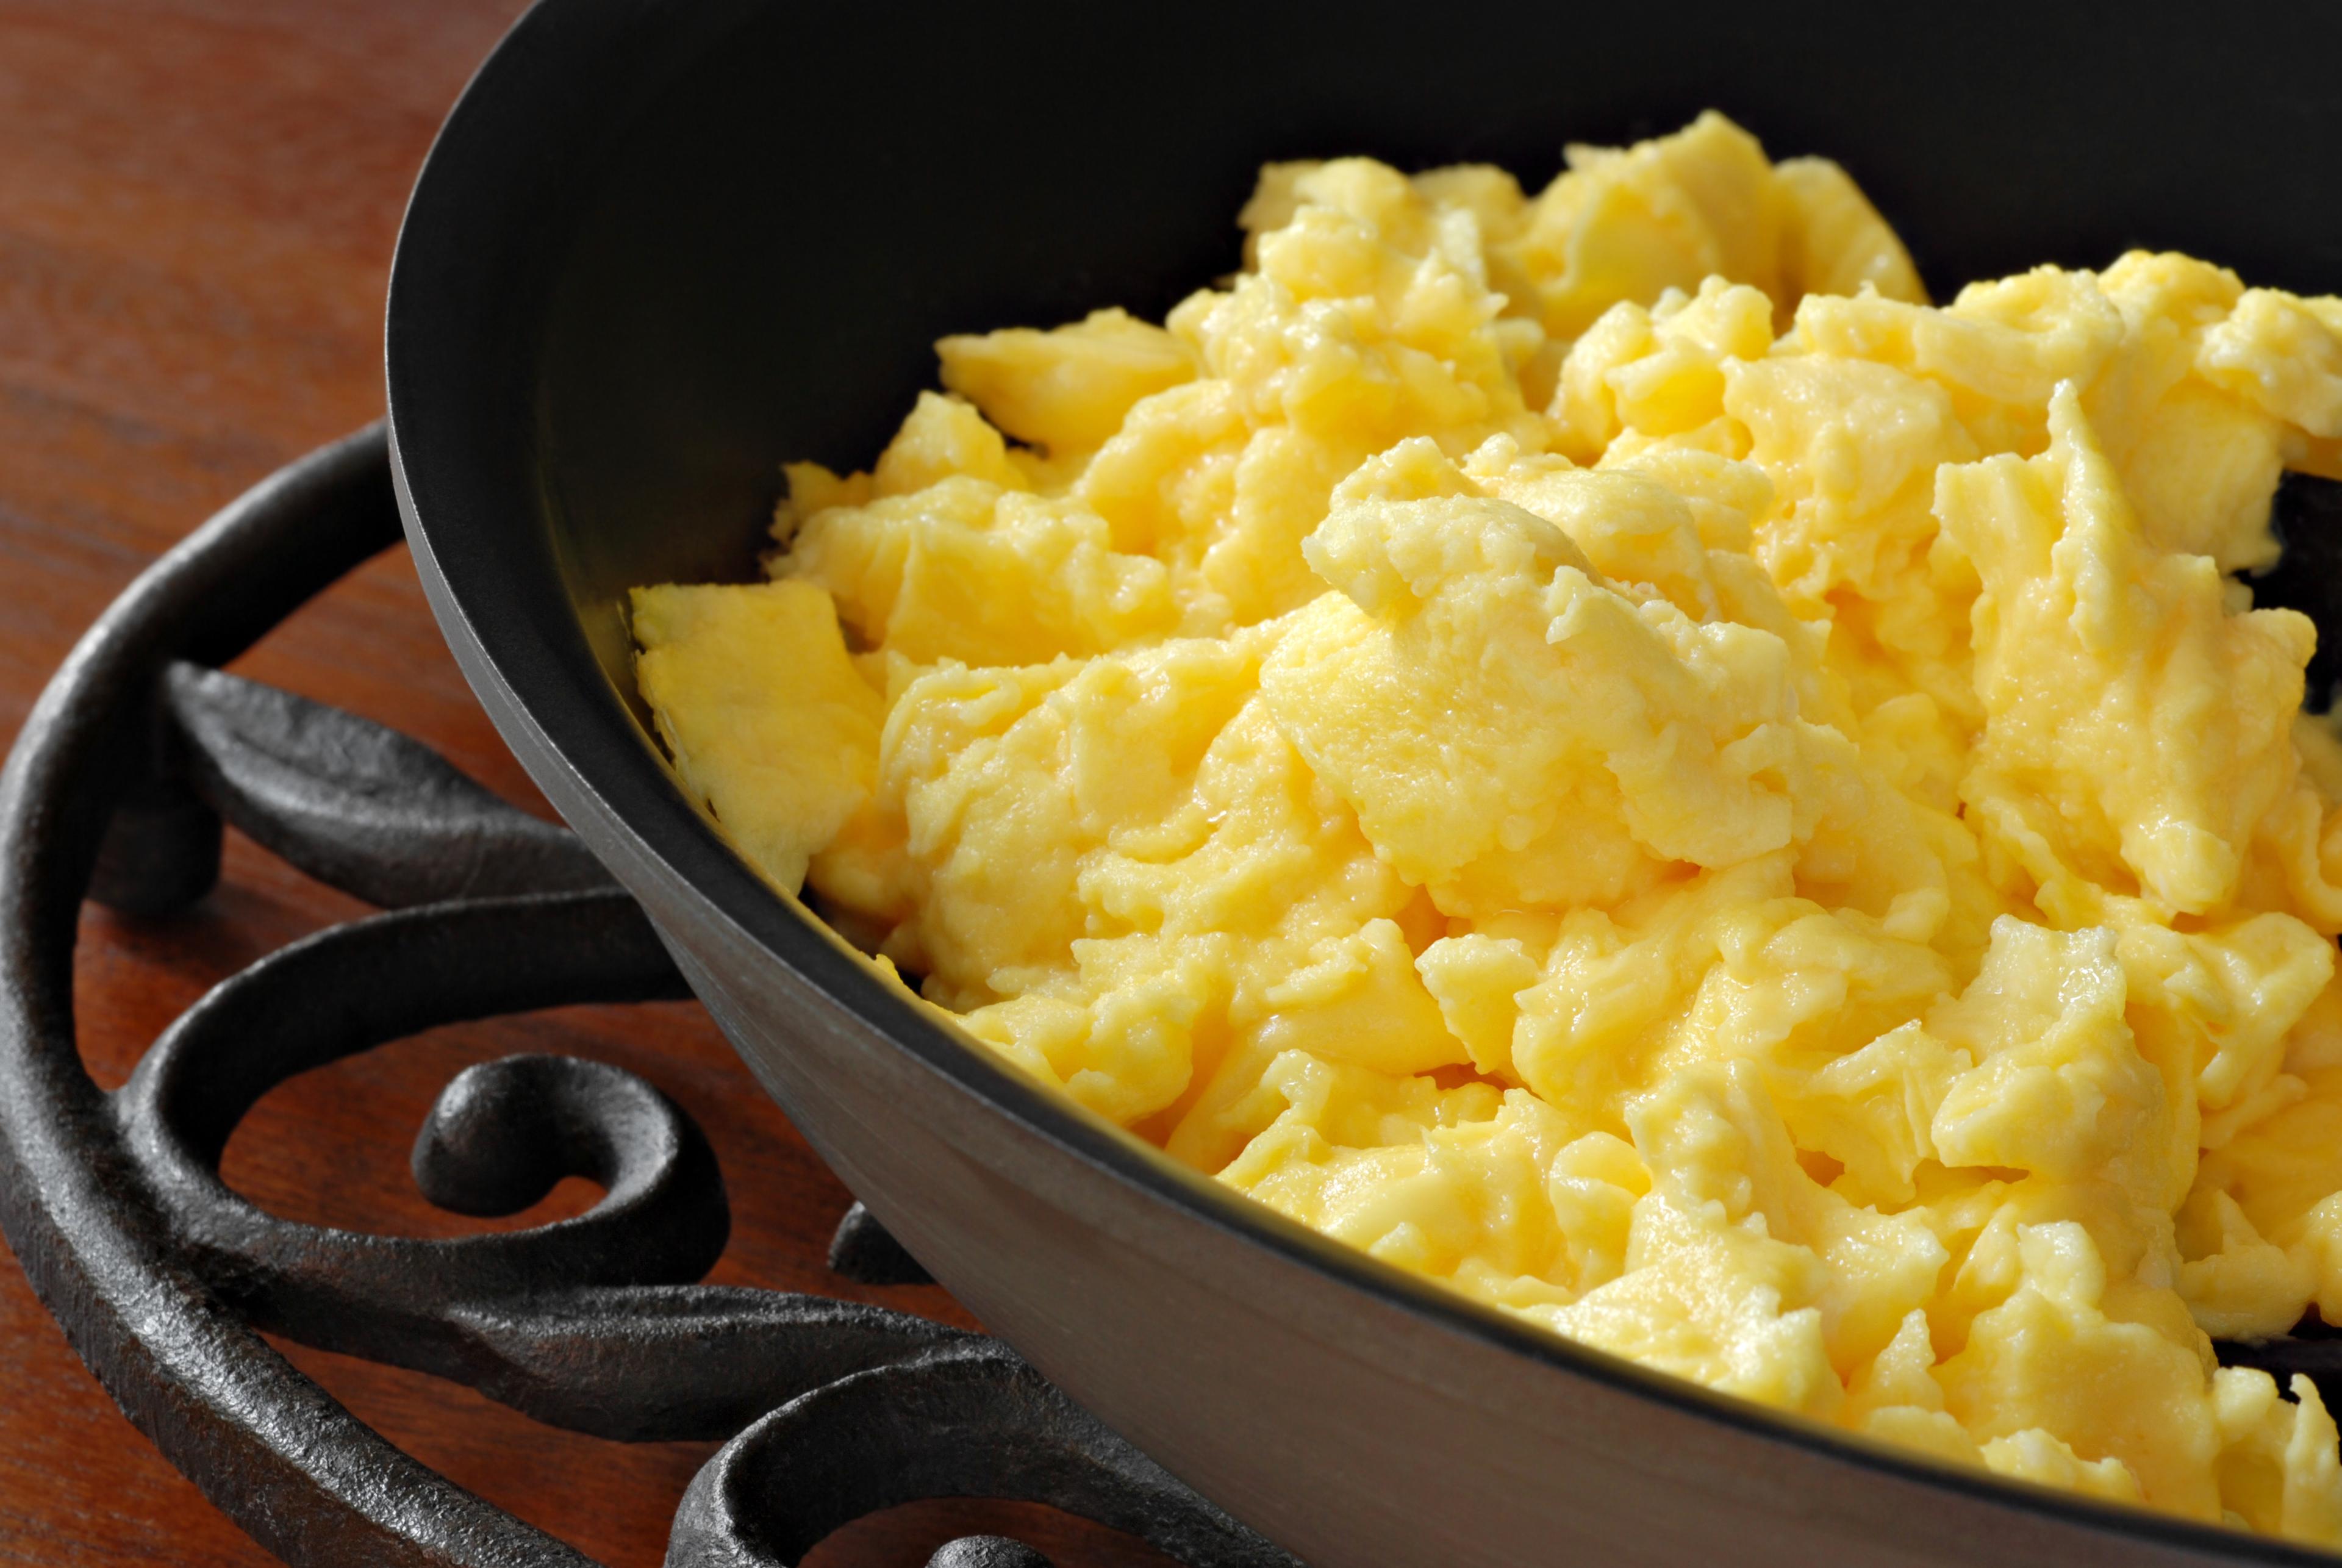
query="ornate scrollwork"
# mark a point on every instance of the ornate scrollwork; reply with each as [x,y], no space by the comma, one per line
[161,1274]
[961,1418]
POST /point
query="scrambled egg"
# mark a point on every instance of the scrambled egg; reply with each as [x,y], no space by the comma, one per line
[1599,749]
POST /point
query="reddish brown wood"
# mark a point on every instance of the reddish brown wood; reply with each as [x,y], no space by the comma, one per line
[197,201]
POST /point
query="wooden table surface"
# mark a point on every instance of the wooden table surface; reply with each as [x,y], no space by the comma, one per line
[197,203]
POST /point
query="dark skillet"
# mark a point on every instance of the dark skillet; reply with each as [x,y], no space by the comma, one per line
[661,247]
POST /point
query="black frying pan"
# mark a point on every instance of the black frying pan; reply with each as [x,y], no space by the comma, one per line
[663,245]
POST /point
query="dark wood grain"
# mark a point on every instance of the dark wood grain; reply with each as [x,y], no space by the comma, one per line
[198,203]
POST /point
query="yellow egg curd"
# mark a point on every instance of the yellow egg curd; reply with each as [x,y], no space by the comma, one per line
[1599,749]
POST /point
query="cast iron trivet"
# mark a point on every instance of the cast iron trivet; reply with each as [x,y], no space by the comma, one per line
[162,1276]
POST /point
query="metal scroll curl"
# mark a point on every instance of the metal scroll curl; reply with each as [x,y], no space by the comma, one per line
[162,1276]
